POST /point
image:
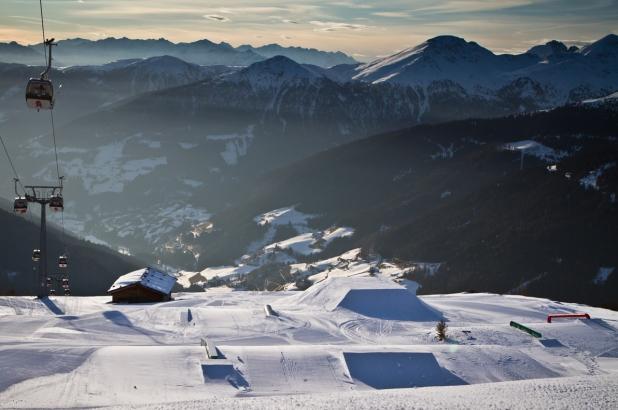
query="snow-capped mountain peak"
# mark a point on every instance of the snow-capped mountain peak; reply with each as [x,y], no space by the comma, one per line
[553,72]
[548,49]
[442,57]
[274,72]
[455,46]
[165,65]
[605,47]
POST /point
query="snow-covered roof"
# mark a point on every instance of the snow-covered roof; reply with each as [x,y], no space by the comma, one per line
[147,277]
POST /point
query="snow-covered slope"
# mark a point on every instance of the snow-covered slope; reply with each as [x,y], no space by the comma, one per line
[83,352]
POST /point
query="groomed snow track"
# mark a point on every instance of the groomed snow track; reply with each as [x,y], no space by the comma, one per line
[359,342]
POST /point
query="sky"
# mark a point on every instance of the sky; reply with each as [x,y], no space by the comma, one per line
[362,29]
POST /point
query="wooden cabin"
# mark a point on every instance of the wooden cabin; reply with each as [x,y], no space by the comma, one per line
[146,285]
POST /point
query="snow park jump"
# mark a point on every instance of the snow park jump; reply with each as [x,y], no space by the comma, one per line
[568,316]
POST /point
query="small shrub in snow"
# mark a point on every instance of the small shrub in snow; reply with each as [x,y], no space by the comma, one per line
[303,283]
[441,328]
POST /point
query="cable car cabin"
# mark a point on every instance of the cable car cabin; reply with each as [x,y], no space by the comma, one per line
[63,262]
[20,206]
[56,203]
[40,94]
[36,255]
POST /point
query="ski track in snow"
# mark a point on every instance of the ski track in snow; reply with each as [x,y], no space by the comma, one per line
[324,348]
[567,393]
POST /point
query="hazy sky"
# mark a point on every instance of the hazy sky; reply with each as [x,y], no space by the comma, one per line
[364,29]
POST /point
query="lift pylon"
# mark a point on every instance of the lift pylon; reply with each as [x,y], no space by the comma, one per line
[42,195]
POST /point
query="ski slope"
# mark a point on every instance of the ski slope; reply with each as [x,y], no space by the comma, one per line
[360,342]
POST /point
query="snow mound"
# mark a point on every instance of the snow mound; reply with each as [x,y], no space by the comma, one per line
[368,296]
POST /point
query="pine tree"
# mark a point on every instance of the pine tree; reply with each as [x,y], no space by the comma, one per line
[441,330]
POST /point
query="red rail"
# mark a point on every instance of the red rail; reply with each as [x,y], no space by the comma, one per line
[568,315]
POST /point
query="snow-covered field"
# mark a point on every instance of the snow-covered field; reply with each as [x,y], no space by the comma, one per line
[356,342]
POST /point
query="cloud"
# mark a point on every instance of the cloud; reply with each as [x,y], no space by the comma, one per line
[393,14]
[290,21]
[468,6]
[131,10]
[337,26]
[216,17]
[251,10]
[351,4]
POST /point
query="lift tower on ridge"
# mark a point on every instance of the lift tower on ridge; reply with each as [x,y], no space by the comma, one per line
[44,195]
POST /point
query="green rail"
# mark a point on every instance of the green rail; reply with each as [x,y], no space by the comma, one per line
[526,329]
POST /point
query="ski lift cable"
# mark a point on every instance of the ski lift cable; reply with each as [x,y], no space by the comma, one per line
[51,113]
[8,156]
[64,242]
[43,30]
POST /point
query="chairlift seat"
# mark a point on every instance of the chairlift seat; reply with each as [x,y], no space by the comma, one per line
[36,255]
[40,94]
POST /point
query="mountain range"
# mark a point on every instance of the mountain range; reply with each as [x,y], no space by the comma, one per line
[160,153]
[80,51]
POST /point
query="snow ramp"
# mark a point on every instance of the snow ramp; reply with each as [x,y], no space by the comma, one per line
[368,296]
[397,370]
